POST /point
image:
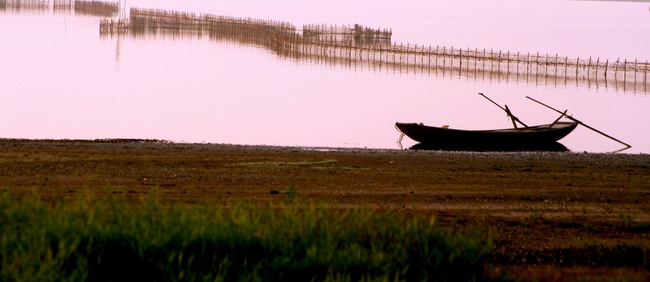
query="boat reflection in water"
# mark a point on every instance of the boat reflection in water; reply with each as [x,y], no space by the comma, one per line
[544,147]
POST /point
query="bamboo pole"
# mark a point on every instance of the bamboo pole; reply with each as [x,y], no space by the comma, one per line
[437,54]
[635,67]
[491,62]
[484,59]
[460,70]
[537,65]
[475,62]
[517,65]
[508,65]
[444,58]
[645,77]
[581,123]
[545,75]
[513,117]
[624,73]
[526,62]
[429,58]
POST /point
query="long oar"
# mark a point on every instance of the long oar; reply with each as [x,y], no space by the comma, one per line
[514,118]
[582,123]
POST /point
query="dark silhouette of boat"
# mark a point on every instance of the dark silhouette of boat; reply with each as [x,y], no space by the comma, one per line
[528,138]
[539,136]
[551,147]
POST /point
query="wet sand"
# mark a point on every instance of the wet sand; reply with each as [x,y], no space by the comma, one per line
[550,214]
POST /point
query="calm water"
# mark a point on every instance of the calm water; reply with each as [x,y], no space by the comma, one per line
[60,79]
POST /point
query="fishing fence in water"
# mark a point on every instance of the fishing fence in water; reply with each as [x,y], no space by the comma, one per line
[362,47]
[93,8]
[358,46]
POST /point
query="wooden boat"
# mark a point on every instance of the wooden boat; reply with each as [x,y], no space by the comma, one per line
[525,136]
[540,137]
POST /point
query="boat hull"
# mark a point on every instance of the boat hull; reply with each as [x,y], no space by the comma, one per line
[534,135]
[546,147]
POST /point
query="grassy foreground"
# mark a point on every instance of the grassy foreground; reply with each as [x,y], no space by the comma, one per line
[113,238]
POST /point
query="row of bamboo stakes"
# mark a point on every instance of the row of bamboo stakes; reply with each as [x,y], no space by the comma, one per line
[93,8]
[358,46]
[372,48]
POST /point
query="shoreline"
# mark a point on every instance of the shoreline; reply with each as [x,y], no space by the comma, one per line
[312,148]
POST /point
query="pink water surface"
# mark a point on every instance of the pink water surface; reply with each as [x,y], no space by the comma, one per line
[60,79]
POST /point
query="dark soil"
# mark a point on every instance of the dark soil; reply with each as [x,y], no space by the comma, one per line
[552,216]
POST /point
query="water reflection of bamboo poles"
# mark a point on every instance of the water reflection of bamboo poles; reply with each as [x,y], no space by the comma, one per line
[372,48]
[361,47]
[36,3]
[96,8]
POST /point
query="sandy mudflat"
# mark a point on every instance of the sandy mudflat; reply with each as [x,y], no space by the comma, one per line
[568,213]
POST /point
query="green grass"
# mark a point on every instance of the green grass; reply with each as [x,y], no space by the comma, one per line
[110,238]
